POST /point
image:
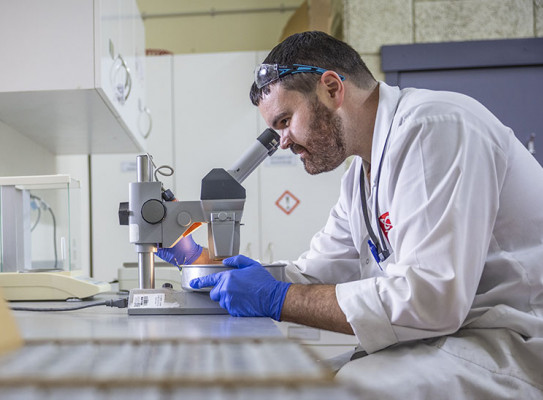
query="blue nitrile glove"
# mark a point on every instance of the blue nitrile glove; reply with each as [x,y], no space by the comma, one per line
[249,291]
[185,252]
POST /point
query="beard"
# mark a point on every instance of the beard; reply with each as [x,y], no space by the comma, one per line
[325,149]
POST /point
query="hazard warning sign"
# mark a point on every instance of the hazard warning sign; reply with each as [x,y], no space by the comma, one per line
[287,202]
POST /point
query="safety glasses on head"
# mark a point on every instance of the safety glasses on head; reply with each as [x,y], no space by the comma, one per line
[268,73]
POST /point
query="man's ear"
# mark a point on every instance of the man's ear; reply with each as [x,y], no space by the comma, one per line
[333,89]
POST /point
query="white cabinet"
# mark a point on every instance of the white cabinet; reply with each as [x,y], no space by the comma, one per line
[324,344]
[73,75]
[122,65]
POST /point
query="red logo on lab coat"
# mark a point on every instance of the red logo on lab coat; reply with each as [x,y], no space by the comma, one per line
[386,224]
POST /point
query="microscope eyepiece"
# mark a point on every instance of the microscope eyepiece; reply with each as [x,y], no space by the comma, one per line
[270,140]
[265,145]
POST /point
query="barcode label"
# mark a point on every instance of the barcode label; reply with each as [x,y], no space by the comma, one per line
[150,300]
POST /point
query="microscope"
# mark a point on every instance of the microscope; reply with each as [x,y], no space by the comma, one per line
[154,219]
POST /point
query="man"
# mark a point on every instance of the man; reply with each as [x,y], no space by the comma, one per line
[432,255]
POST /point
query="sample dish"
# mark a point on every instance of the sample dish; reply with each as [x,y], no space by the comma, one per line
[189,272]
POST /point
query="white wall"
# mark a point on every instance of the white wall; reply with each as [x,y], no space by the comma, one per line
[201,30]
[370,24]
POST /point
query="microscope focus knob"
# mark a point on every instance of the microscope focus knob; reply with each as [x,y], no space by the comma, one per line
[184,218]
[124,213]
[153,211]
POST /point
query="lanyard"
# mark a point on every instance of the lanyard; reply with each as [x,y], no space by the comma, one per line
[378,247]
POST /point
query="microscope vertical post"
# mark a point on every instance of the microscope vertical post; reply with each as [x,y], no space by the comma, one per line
[146,256]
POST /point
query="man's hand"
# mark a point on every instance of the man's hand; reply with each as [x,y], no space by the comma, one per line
[185,252]
[248,291]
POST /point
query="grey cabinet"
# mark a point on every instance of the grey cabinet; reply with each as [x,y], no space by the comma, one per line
[504,75]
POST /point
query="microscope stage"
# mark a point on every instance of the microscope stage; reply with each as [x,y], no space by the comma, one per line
[171,302]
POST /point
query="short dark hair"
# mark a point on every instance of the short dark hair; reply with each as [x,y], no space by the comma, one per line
[316,49]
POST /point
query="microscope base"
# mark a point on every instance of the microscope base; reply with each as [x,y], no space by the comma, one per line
[171,302]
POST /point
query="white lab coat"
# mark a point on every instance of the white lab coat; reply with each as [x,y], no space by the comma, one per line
[464,199]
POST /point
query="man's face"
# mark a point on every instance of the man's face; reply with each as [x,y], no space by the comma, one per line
[307,127]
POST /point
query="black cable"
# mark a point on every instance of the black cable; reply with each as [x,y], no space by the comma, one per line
[54,236]
[46,206]
[37,220]
[119,303]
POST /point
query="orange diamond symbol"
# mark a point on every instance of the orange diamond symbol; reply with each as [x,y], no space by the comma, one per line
[287,202]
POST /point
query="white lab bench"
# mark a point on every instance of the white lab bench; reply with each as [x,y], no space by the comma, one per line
[102,353]
[114,323]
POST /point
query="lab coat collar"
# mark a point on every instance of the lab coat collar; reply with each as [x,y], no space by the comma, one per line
[389,96]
